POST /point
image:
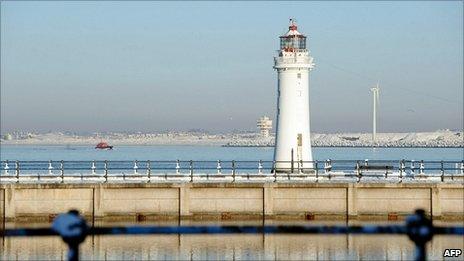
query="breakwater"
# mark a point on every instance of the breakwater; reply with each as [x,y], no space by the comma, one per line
[152,201]
[440,139]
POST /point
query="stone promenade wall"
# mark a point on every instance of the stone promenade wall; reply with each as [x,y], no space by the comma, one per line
[22,202]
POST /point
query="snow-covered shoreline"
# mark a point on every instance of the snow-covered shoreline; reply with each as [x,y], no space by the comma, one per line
[438,139]
[442,138]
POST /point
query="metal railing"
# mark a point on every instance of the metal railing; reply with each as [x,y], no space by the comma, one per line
[73,229]
[233,171]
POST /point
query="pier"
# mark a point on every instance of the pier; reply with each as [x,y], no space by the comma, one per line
[151,190]
[152,201]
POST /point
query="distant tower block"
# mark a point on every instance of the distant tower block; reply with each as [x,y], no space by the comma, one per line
[265,125]
[293,63]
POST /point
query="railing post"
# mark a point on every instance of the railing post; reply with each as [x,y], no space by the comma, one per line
[50,168]
[6,168]
[135,167]
[358,172]
[73,230]
[233,171]
[93,167]
[291,167]
[248,175]
[177,167]
[149,170]
[317,170]
[401,170]
[275,171]
[442,171]
[462,167]
[191,170]
[166,174]
[260,167]
[420,230]
[106,171]
[413,168]
[219,167]
[300,167]
[386,172]
[82,176]
[421,168]
[62,171]
[17,170]
[329,166]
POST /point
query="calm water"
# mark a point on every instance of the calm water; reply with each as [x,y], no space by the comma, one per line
[229,247]
[22,152]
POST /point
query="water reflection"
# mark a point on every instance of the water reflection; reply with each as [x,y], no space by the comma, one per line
[230,247]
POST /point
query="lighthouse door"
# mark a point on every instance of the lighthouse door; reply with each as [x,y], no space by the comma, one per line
[299,150]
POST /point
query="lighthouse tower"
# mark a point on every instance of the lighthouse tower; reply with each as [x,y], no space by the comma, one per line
[293,63]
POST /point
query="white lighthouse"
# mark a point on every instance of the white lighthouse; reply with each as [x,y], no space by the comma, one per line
[292,151]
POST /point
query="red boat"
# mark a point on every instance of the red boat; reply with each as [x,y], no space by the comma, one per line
[103,146]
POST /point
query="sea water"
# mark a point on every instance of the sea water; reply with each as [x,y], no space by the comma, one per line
[212,153]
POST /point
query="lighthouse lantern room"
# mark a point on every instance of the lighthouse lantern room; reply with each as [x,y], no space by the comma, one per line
[293,63]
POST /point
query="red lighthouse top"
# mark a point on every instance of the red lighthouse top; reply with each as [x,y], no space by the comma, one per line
[292,40]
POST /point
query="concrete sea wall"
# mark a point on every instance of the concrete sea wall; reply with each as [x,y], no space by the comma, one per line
[114,201]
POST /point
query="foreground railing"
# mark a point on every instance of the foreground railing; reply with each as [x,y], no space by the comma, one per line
[73,229]
[233,171]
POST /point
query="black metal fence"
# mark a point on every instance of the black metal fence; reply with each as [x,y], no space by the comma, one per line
[154,171]
[73,229]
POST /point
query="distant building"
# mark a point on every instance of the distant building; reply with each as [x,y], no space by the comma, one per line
[7,137]
[265,125]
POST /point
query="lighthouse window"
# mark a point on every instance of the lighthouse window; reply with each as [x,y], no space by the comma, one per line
[290,43]
[299,76]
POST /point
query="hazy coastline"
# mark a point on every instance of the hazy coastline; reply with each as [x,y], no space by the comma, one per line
[441,138]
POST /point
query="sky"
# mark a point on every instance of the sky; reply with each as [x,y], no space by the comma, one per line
[154,66]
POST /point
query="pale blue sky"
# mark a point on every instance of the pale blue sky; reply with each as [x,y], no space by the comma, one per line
[151,66]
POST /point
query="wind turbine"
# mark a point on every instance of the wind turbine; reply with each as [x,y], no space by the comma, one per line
[375,97]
